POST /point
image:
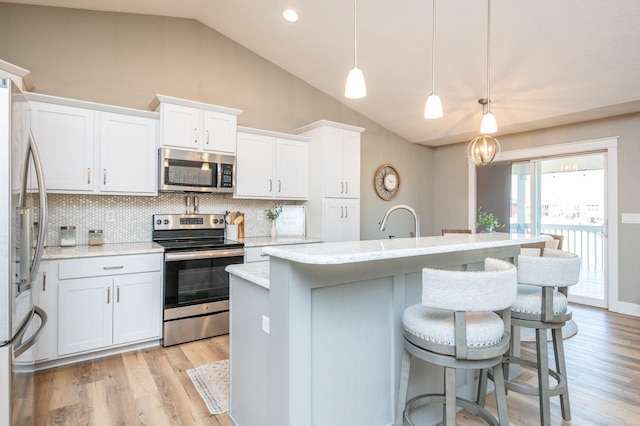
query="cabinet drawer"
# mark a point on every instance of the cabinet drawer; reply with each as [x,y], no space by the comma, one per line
[109,265]
[254,254]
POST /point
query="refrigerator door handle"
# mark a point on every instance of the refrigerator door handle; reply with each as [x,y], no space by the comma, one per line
[25,281]
[24,346]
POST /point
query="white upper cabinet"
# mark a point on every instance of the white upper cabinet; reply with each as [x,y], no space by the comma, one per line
[196,126]
[65,138]
[271,165]
[128,154]
[95,149]
[342,163]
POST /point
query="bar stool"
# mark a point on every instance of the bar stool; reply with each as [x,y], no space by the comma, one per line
[540,306]
[456,326]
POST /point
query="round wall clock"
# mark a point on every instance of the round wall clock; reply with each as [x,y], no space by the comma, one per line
[386,182]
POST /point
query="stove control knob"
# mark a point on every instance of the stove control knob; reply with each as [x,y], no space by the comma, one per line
[159,222]
[166,221]
[215,221]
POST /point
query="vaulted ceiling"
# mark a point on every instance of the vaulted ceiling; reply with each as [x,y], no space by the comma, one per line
[552,61]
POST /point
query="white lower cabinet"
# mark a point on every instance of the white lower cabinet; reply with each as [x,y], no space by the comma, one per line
[108,301]
[341,220]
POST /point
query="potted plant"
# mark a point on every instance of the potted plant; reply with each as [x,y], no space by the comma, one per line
[487,222]
[272,215]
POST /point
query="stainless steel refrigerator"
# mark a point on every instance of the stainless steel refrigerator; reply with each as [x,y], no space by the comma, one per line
[23,227]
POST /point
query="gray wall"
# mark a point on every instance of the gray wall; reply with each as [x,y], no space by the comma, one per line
[451,187]
[125,59]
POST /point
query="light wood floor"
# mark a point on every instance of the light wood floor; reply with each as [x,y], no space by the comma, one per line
[151,387]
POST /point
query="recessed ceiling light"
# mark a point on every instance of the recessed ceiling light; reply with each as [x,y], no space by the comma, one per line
[290,15]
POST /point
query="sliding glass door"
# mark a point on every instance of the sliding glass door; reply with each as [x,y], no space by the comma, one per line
[566,196]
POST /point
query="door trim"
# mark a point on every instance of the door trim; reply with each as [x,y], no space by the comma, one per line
[610,145]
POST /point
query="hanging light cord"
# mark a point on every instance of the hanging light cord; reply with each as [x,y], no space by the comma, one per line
[355,33]
[433,51]
[488,55]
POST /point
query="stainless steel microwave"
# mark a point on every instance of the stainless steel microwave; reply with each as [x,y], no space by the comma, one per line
[195,171]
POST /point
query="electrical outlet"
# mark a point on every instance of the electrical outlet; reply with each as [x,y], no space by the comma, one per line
[109,216]
[265,324]
[260,215]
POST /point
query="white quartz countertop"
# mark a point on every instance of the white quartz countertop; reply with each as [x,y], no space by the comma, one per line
[257,272]
[276,241]
[51,253]
[370,250]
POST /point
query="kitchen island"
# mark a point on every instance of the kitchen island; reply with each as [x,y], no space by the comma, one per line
[320,342]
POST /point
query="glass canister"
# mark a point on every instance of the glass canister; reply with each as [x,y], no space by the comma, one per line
[67,236]
[95,237]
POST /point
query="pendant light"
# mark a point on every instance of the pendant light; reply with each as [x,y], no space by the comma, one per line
[433,108]
[488,124]
[483,149]
[355,88]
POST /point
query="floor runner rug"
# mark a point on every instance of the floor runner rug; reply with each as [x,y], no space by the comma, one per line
[212,382]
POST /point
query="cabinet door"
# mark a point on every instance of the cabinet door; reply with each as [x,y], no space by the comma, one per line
[341,221]
[254,166]
[181,126]
[65,139]
[334,184]
[84,314]
[292,169]
[351,164]
[137,307]
[219,132]
[44,292]
[128,154]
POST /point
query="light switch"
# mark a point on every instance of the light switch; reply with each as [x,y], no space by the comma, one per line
[630,218]
[265,324]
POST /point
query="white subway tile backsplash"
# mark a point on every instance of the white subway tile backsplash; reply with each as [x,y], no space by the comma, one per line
[128,219]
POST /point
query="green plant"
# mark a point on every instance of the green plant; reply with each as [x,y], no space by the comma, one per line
[487,222]
[273,214]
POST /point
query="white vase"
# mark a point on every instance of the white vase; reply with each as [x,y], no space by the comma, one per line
[272,232]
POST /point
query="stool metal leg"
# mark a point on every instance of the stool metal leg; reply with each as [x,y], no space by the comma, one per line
[450,395]
[561,368]
[543,376]
[403,388]
[501,395]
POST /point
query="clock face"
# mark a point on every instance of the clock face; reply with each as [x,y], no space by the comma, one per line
[386,182]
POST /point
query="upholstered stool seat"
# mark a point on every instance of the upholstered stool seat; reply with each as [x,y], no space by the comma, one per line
[456,326]
[540,304]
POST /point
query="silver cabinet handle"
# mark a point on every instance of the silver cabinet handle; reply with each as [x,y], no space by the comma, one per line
[44,281]
[108,295]
[195,133]
[104,176]
[346,212]
[111,268]
[89,175]
[341,212]
[270,185]
[346,186]
[117,294]
[342,187]
[207,136]
[279,185]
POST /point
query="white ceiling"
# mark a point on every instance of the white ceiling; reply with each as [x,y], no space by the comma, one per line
[552,61]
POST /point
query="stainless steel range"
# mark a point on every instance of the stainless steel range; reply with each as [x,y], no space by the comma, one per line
[196,285]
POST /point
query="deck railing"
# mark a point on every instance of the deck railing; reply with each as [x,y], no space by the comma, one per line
[587,241]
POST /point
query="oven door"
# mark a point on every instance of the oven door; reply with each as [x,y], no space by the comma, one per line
[197,277]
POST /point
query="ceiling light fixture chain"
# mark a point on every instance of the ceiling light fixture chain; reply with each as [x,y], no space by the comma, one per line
[433,108]
[355,88]
[483,149]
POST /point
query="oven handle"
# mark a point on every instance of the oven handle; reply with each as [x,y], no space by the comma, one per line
[207,254]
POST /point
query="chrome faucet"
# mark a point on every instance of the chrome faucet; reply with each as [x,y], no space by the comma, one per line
[383,222]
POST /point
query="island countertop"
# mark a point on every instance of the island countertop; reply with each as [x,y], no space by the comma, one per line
[369,250]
